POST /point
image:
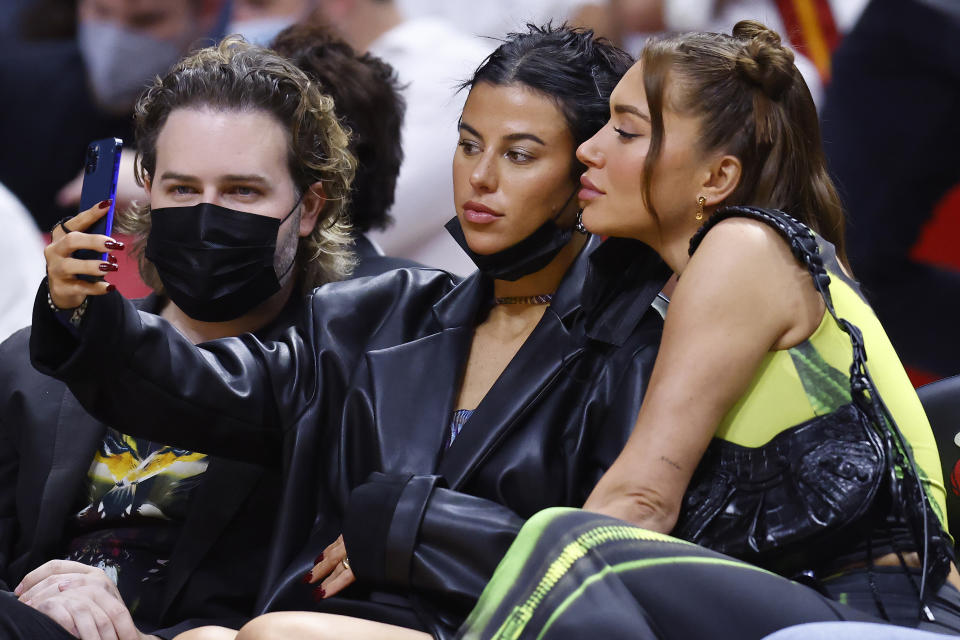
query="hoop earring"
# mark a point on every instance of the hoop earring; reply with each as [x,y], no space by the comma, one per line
[578,225]
[700,202]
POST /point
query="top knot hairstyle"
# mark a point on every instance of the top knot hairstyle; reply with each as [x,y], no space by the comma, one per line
[765,62]
[569,65]
[238,76]
[752,103]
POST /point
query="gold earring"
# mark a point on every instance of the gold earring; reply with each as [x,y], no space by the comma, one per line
[700,202]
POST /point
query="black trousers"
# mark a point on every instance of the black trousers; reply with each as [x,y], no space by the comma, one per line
[573,574]
[20,622]
[891,134]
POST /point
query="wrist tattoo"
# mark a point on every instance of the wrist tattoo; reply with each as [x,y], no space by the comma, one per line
[670,462]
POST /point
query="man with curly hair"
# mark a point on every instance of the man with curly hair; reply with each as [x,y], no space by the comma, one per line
[247,175]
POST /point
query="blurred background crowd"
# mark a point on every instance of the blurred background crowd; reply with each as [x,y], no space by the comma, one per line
[885,75]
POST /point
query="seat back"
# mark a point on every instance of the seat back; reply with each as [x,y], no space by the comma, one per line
[941,401]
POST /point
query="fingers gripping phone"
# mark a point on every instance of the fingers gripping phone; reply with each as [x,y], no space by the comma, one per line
[101,168]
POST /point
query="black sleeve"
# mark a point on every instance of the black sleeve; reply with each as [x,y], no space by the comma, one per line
[412,533]
[218,401]
[9,464]
[12,353]
[230,397]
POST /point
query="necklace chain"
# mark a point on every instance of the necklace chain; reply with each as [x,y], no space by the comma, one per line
[543,298]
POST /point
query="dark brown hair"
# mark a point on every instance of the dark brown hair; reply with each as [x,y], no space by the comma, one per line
[567,64]
[752,103]
[367,98]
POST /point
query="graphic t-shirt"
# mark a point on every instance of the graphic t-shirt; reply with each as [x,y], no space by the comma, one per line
[138,496]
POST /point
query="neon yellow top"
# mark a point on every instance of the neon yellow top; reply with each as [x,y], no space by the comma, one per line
[812,378]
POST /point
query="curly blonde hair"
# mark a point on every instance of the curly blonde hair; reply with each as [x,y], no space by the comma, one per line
[237,76]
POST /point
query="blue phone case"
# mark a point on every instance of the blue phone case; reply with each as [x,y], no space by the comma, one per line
[101,168]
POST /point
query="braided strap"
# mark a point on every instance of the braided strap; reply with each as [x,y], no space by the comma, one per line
[907,490]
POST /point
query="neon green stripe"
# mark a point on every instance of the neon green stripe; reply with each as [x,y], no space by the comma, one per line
[520,616]
[507,573]
[633,565]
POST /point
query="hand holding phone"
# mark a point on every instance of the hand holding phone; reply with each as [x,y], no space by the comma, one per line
[101,167]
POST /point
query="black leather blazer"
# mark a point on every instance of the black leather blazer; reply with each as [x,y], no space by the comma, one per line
[47,442]
[358,397]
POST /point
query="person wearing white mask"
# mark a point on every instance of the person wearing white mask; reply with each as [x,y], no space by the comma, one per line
[124,44]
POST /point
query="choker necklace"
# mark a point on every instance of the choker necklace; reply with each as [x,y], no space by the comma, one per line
[543,298]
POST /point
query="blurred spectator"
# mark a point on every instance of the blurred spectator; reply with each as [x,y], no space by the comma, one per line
[367,99]
[812,38]
[431,57]
[259,21]
[891,132]
[494,18]
[61,94]
[23,265]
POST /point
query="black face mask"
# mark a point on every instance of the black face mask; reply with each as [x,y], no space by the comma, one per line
[215,263]
[527,256]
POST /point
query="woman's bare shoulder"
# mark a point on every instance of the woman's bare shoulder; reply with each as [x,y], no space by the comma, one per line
[747,265]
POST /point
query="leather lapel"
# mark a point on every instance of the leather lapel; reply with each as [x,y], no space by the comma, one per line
[532,372]
[75,441]
[414,387]
[225,486]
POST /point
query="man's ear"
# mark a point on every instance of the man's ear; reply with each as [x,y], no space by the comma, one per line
[314,203]
[721,180]
[147,186]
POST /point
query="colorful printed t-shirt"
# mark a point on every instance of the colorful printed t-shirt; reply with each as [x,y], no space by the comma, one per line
[138,496]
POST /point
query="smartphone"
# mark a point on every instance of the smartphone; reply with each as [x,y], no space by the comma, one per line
[101,168]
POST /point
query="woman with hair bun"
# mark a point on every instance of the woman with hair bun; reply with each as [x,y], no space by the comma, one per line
[763,437]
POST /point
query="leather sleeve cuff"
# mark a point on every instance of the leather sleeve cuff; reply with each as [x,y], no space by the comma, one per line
[382,524]
[55,348]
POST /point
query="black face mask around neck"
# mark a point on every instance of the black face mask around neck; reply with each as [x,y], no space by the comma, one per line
[215,263]
[527,256]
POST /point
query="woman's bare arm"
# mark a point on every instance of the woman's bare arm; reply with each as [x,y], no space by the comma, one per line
[740,296]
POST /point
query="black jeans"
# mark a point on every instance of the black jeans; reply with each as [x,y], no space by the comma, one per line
[891,133]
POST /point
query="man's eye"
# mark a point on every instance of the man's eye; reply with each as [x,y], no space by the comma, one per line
[241,190]
[182,189]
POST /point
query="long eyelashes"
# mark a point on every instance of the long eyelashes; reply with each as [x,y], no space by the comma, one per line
[625,135]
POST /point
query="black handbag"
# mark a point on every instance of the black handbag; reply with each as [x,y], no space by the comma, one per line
[790,504]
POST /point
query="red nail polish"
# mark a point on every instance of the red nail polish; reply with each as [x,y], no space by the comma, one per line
[107,266]
[111,287]
[307,577]
[319,559]
[103,204]
[319,594]
[112,259]
[114,244]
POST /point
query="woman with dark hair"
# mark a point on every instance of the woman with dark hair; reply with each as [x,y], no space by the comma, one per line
[763,435]
[421,418]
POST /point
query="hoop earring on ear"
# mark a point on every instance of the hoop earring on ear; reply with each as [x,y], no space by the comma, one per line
[578,226]
[700,202]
